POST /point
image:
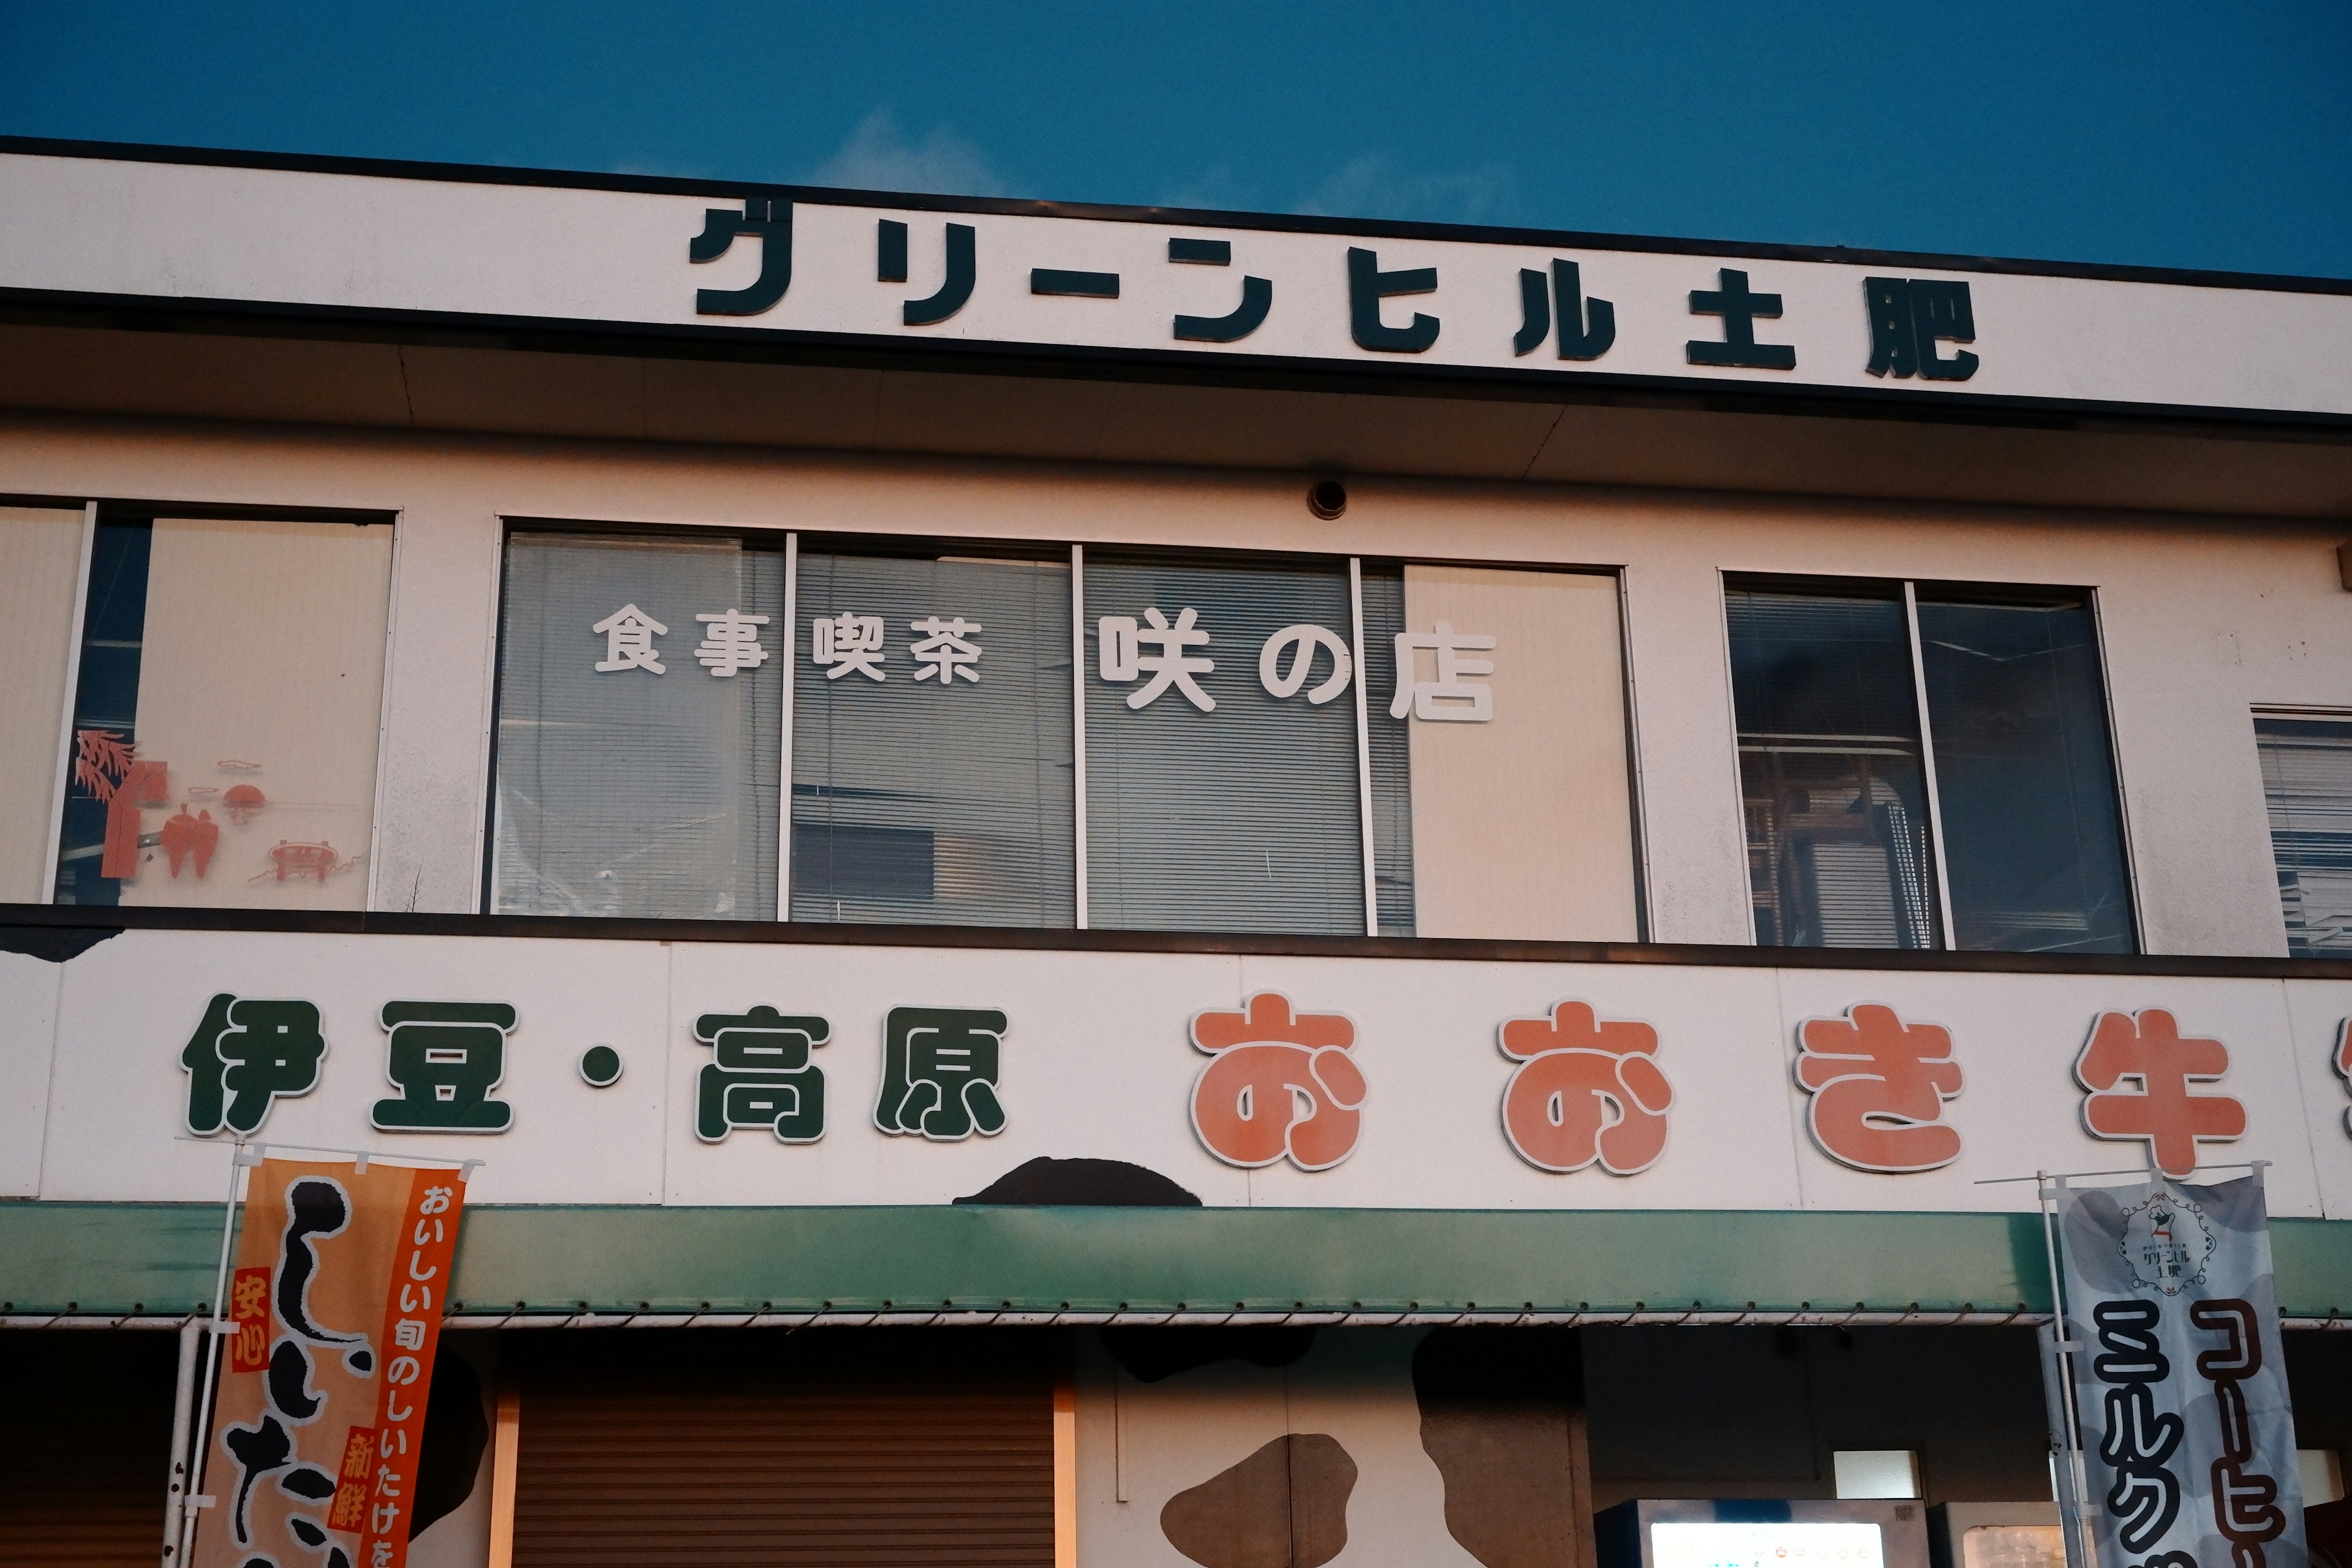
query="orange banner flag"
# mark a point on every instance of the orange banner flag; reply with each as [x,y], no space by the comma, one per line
[335,1308]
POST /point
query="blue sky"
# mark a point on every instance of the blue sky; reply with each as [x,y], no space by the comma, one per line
[2160,134]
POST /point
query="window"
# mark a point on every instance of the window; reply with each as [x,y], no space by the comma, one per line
[227,703]
[934,782]
[1994,826]
[1516,824]
[635,779]
[986,736]
[1232,809]
[2307,779]
[40,564]
[1875,1472]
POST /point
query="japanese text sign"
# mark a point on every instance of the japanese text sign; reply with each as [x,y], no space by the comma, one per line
[2188,1436]
[335,1308]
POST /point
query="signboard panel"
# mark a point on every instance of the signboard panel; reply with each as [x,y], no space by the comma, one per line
[1128,285]
[784,1074]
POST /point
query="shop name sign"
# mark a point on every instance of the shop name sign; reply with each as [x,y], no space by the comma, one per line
[613,1070]
[1576,1089]
[842,267]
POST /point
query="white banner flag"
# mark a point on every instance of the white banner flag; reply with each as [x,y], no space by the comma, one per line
[2188,1434]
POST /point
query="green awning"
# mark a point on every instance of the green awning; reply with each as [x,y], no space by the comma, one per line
[159,1259]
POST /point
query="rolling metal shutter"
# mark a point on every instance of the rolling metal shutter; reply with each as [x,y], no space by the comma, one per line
[841,1449]
[84,1447]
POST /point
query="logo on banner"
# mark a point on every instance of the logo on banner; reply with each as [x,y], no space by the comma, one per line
[335,1314]
[2167,1243]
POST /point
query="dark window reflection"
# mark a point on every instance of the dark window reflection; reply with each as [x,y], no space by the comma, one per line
[1830,778]
[2025,777]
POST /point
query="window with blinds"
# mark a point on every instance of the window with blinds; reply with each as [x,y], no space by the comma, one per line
[1213,804]
[934,784]
[1023,736]
[1832,783]
[634,778]
[1965,797]
[2308,780]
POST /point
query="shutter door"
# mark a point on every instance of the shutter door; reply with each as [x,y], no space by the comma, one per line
[855,1447]
[84,1447]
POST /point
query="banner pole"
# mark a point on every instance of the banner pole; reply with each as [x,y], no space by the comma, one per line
[2073,1517]
[213,1330]
[184,1393]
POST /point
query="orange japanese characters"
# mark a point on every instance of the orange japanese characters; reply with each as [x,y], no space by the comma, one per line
[1585,1090]
[2148,1046]
[1280,1084]
[1878,1089]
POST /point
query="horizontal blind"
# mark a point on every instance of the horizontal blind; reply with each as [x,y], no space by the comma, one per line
[1390,746]
[622,792]
[1245,818]
[2307,778]
[809,1452]
[918,802]
[1832,782]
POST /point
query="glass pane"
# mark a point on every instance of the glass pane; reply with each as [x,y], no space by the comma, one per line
[1830,771]
[933,781]
[1390,751]
[40,564]
[2025,778]
[1502,803]
[626,789]
[2307,777]
[226,713]
[1243,817]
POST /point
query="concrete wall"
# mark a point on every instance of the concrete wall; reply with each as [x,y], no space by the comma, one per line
[2202,618]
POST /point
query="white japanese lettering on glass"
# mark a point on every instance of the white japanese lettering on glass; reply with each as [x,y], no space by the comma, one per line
[629,635]
[944,652]
[1449,698]
[1306,638]
[732,643]
[1123,657]
[845,642]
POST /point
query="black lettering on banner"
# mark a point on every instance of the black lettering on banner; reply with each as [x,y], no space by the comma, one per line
[2146,1495]
[2245,1500]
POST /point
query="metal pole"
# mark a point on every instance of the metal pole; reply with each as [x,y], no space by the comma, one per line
[183,1397]
[214,1329]
[2073,1513]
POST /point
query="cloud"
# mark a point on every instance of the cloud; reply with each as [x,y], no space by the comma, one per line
[880,156]
[1374,186]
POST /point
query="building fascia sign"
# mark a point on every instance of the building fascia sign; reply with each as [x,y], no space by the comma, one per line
[792,264]
[625,1071]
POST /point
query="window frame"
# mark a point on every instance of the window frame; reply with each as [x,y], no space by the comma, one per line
[98,511]
[2309,712]
[788,539]
[1908,592]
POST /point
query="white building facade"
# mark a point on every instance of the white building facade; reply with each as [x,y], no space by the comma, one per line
[1171,820]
